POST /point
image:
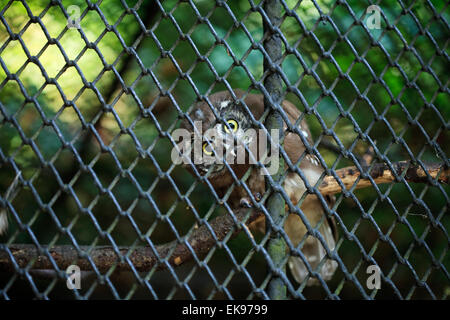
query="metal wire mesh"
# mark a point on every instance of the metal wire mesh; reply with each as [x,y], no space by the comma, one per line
[90,92]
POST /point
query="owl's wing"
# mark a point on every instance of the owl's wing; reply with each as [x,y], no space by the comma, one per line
[312,248]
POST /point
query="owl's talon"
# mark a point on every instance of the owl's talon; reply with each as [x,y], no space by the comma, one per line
[257,196]
[245,203]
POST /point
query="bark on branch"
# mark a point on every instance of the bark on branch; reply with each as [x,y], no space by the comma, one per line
[381,173]
[142,258]
[201,240]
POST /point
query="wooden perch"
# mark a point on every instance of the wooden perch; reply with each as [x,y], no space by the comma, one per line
[381,173]
[201,240]
[142,258]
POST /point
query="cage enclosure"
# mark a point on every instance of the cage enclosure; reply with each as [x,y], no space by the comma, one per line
[92,91]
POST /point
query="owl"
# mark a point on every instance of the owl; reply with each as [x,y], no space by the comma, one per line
[232,119]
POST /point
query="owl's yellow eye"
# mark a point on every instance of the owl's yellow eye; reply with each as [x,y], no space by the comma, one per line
[232,124]
[207,149]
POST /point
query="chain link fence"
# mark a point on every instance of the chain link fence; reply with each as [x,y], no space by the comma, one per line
[91,91]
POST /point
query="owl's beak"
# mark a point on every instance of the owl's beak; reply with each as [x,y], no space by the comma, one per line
[229,148]
[234,144]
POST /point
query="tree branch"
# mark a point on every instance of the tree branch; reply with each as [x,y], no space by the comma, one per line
[201,239]
[142,258]
[381,173]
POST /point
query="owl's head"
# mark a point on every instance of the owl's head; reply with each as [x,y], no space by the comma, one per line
[221,135]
